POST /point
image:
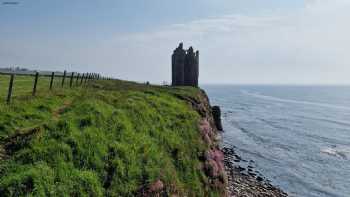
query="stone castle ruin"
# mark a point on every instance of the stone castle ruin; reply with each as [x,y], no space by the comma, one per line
[185,67]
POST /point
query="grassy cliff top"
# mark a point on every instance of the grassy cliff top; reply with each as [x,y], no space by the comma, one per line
[112,138]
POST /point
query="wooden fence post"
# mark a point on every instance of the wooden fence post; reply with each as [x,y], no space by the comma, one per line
[82,78]
[51,81]
[71,79]
[35,83]
[86,78]
[76,81]
[10,88]
[64,77]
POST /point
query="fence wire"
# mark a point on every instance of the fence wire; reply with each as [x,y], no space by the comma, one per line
[23,84]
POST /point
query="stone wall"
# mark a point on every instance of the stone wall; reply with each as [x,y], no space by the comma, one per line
[185,67]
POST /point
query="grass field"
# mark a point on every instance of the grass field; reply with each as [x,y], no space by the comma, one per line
[23,85]
[112,138]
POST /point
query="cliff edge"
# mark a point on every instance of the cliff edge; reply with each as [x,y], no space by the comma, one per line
[219,163]
[112,138]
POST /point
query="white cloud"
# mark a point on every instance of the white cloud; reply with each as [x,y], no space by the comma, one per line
[308,45]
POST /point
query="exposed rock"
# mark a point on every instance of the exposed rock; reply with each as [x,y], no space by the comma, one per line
[218,165]
[211,168]
[156,186]
[213,159]
[241,184]
[217,117]
[239,168]
[252,174]
[206,131]
[156,189]
[259,178]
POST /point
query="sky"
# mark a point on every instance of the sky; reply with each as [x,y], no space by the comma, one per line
[240,41]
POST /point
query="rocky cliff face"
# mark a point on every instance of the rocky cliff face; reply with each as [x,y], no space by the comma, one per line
[213,158]
[217,163]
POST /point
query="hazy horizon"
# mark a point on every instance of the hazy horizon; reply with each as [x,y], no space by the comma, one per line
[241,42]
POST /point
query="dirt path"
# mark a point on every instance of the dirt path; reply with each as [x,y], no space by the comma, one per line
[57,112]
[17,141]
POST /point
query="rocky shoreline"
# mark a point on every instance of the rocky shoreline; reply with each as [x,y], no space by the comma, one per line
[245,181]
[226,170]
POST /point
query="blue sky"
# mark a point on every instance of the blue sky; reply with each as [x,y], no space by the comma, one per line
[123,15]
[126,38]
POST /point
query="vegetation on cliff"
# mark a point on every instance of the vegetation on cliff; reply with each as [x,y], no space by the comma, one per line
[113,138]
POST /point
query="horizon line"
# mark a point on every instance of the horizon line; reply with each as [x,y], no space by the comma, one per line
[275,84]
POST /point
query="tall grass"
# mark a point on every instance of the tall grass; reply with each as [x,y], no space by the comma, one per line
[111,139]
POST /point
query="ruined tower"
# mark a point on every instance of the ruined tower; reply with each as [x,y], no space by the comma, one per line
[178,65]
[196,69]
[185,67]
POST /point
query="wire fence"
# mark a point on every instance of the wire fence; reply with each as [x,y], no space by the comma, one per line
[13,84]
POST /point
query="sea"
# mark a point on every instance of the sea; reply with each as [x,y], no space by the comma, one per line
[298,137]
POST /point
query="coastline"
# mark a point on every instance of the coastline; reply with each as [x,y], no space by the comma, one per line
[245,181]
[239,181]
[168,138]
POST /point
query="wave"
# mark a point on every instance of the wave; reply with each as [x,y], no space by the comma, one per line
[273,124]
[341,152]
[272,98]
[259,139]
[250,134]
[338,122]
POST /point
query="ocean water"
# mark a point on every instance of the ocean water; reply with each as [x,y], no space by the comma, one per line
[297,136]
